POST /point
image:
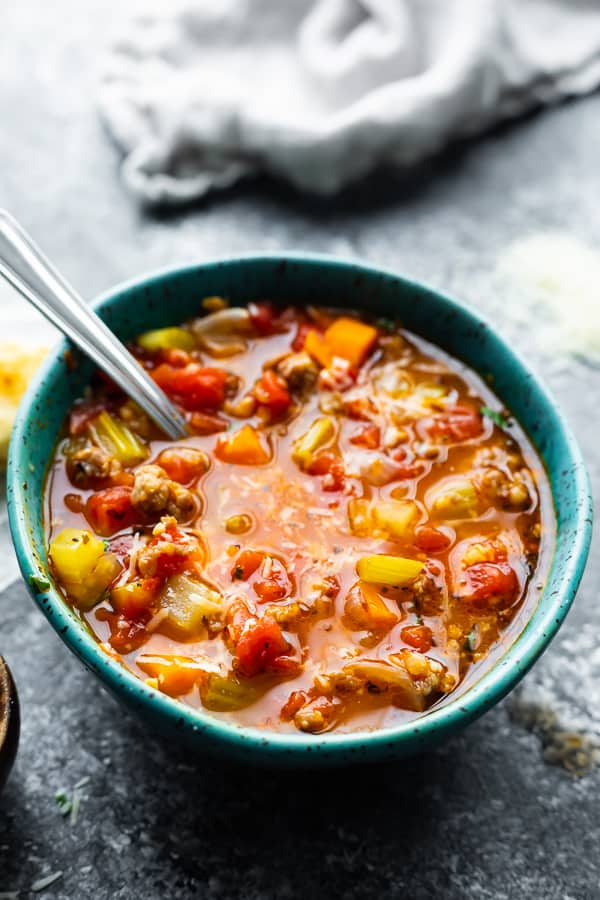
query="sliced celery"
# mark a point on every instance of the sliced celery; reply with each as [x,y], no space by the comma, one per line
[393,570]
[226,694]
[117,439]
[191,606]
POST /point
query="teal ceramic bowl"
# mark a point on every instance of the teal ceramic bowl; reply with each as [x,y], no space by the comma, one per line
[170,296]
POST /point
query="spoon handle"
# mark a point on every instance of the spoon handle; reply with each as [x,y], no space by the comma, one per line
[24,265]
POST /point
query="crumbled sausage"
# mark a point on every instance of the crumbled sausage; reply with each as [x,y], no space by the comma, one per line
[155,494]
[319,715]
[511,493]
[90,466]
[299,371]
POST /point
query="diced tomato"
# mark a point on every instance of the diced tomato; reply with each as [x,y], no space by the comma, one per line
[183,464]
[417,636]
[406,470]
[368,436]
[169,553]
[110,510]
[203,423]
[194,387]
[276,585]
[237,616]
[321,463]
[294,702]
[264,317]
[456,423]
[300,338]
[493,583]
[263,647]
[431,540]
[81,414]
[246,564]
[126,636]
[271,391]
[331,468]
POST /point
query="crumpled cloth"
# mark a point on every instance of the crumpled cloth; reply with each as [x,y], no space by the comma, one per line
[319,92]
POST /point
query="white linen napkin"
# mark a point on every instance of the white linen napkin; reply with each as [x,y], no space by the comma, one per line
[319,92]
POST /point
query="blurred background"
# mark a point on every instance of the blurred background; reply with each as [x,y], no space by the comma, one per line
[454,142]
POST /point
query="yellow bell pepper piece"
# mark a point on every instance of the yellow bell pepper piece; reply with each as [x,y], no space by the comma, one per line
[396,518]
[82,565]
[320,433]
[393,570]
[166,339]
[74,554]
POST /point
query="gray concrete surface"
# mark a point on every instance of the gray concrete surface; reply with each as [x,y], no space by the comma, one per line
[484,816]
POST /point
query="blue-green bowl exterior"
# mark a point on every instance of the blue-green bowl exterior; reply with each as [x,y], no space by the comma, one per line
[173,295]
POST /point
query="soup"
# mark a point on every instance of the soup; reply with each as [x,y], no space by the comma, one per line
[352,529]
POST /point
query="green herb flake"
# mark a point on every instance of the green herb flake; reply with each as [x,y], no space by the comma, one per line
[63,802]
[386,324]
[472,639]
[238,572]
[39,583]
[496,417]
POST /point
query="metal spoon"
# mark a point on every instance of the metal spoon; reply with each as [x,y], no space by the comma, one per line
[9,722]
[28,270]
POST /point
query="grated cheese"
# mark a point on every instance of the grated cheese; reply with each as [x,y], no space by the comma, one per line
[552,280]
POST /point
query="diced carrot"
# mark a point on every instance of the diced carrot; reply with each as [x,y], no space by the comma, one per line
[316,347]
[350,339]
[244,447]
[176,675]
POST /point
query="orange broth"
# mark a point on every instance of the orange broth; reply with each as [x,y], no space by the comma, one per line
[418,461]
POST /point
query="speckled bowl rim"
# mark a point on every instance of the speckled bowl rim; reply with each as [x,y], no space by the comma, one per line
[416,734]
